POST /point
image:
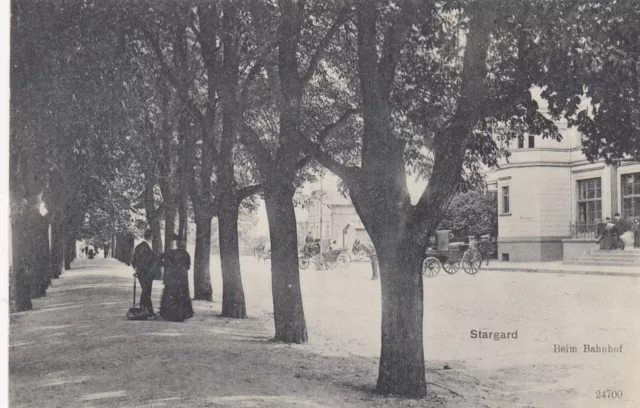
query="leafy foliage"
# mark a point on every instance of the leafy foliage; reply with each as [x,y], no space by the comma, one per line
[472,213]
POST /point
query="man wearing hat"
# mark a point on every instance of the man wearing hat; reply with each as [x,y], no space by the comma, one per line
[144,263]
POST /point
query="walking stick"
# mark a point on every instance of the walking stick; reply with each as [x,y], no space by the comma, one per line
[136,313]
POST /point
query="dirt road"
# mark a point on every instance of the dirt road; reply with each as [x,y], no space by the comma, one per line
[76,349]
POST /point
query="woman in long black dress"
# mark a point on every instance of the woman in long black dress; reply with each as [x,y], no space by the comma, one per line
[176,305]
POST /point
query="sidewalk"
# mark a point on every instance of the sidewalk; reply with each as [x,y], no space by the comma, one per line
[559,268]
[76,349]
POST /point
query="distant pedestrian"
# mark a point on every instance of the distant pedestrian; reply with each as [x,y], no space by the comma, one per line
[176,300]
[144,262]
[369,250]
[106,250]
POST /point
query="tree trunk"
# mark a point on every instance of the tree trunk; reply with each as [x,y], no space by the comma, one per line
[69,249]
[153,219]
[401,370]
[57,249]
[118,249]
[156,242]
[285,276]
[19,279]
[41,256]
[169,226]
[233,304]
[201,275]
[131,243]
[183,214]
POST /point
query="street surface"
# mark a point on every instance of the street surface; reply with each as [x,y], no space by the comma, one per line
[76,348]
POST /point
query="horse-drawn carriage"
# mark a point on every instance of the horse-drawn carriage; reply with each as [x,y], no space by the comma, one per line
[450,257]
[262,252]
[311,254]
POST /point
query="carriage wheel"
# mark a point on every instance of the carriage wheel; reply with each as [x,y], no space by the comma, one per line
[451,267]
[303,263]
[331,265]
[471,261]
[343,259]
[430,267]
[317,261]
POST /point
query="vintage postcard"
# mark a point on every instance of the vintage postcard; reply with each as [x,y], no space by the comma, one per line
[323,203]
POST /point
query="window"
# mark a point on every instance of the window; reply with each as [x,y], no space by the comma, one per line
[532,141]
[630,195]
[505,200]
[520,142]
[589,201]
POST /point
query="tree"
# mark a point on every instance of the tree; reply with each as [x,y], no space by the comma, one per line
[471,213]
[29,58]
[214,94]
[278,155]
[64,137]
[463,98]
[596,60]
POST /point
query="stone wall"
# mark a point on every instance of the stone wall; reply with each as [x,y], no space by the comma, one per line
[576,248]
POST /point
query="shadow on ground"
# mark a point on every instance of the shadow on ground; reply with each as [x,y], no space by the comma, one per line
[76,349]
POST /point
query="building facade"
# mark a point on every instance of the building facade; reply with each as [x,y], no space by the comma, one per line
[333,217]
[548,191]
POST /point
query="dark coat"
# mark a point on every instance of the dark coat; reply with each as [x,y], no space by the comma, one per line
[144,259]
[175,304]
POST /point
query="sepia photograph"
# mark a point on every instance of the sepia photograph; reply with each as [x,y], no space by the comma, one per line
[322,203]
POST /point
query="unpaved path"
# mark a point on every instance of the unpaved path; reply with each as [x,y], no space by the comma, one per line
[76,349]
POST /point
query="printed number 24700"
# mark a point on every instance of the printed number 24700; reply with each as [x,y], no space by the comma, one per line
[613,394]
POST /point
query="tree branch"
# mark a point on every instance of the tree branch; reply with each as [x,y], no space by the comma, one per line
[343,15]
[209,24]
[449,144]
[244,88]
[274,84]
[190,176]
[183,91]
[197,32]
[393,42]
[326,132]
[248,191]
[347,173]
[337,125]
[254,145]
[314,150]
[253,71]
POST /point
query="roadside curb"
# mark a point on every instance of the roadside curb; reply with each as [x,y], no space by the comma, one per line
[564,272]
